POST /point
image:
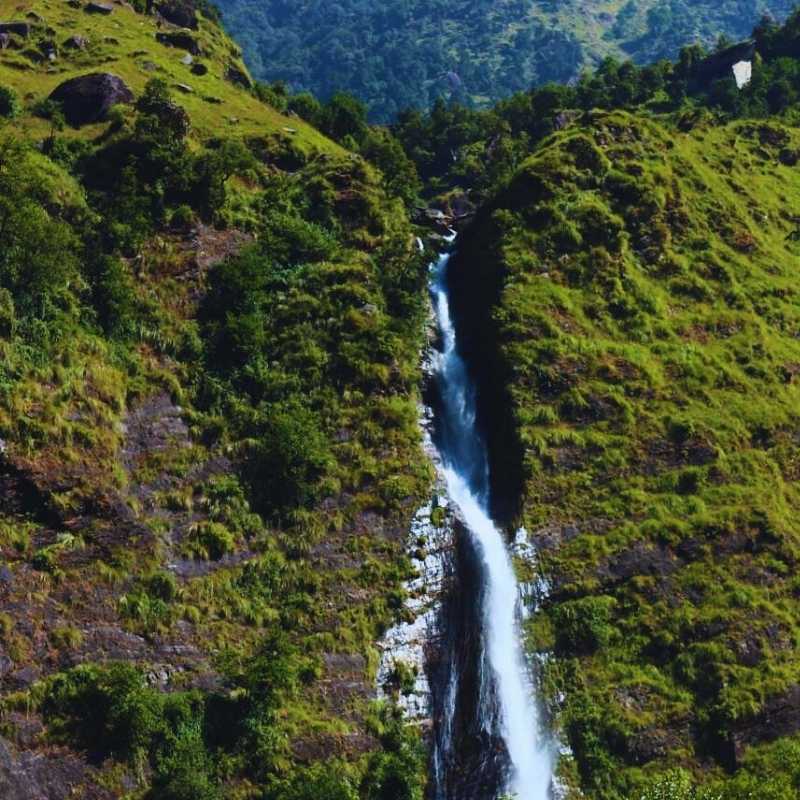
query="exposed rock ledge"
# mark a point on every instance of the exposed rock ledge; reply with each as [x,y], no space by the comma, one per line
[410,646]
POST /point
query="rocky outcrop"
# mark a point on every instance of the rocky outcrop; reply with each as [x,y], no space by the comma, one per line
[76,43]
[99,8]
[779,716]
[183,40]
[89,98]
[37,776]
[22,29]
[238,76]
[179,13]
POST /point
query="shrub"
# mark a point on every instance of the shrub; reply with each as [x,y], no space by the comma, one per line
[182,218]
[113,296]
[328,781]
[213,540]
[396,773]
[289,457]
[583,626]
[9,102]
[183,772]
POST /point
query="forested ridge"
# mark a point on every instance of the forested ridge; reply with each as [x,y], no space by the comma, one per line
[399,54]
[212,318]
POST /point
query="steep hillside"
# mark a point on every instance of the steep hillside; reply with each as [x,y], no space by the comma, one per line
[396,55]
[638,372]
[59,40]
[210,320]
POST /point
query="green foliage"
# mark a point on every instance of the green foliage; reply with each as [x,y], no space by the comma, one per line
[296,380]
[323,781]
[634,395]
[290,457]
[582,626]
[396,55]
[9,102]
[111,711]
[39,257]
[397,773]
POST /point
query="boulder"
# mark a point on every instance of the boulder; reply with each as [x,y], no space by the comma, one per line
[22,29]
[5,41]
[180,39]
[99,8]
[238,76]
[76,43]
[88,98]
[49,49]
[179,13]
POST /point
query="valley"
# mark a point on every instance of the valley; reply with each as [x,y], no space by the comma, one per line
[454,457]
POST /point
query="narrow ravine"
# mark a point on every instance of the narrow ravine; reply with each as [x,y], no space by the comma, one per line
[490,703]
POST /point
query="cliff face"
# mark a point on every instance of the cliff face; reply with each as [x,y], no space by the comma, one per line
[629,308]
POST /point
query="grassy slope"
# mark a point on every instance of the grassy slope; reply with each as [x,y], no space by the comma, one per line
[647,319]
[123,43]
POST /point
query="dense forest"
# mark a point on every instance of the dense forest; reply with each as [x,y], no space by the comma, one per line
[212,314]
[399,54]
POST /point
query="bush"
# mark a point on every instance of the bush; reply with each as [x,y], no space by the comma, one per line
[9,102]
[110,711]
[289,457]
[212,540]
[113,296]
[328,781]
[183,772]
[396,773]
[583,626]
[182,218]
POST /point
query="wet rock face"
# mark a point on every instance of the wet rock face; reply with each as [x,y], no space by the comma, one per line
[89,98]
[470,758]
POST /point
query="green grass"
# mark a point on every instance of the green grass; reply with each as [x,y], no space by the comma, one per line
[124,43]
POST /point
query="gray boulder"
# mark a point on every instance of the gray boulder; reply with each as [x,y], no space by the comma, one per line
[179,13]
[99,8]
[88,98]
[238,76]
[76,43]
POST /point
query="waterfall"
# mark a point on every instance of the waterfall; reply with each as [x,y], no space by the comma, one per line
[504,707]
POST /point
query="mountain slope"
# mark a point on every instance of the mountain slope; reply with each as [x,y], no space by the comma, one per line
[396,55]
[637,364]
[210,320]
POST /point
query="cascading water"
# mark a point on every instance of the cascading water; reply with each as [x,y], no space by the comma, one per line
[498,703]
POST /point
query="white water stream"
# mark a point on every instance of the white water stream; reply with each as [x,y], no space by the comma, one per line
[506,704]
